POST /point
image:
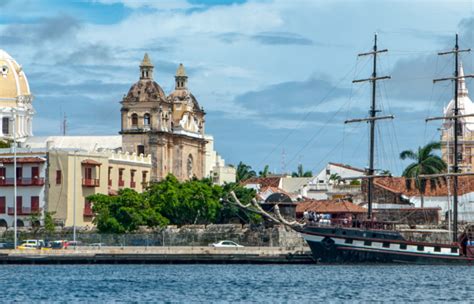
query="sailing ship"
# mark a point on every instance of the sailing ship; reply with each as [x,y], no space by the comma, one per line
[377,242]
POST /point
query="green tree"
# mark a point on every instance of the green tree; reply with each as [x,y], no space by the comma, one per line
[265,172]
[230,212]
[425,162]
[244,172]
[301,173]
[49,226]
[386,173]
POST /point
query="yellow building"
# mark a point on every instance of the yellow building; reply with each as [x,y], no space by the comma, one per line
[465,130]
[74,175]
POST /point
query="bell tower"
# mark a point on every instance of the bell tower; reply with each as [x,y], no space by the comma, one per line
[146,68]
[181,80]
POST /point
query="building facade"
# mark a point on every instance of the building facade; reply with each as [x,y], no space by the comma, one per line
[465,131]
[16,109]
[169,128]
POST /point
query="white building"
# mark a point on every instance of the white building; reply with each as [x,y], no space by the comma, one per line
[15,100]
[215,167]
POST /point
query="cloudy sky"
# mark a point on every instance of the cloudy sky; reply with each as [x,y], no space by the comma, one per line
[275,77]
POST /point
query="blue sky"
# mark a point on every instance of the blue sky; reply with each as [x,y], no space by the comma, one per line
[273,76]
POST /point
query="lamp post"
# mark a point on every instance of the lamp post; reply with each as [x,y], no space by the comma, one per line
[74,203]
[15,211]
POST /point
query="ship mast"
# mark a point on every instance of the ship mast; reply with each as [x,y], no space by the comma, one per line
[371,120]
[455,117]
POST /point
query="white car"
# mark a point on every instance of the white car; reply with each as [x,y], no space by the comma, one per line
[227,244]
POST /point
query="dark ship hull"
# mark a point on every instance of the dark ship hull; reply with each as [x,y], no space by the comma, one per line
[355,245]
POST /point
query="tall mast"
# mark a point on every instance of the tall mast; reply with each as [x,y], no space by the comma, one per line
[455,117]
[372,119]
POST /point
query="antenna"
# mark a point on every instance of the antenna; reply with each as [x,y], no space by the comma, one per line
[457,156]
[283,161]
[64,124]
[371,120]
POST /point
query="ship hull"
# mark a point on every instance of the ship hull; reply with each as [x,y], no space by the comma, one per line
[348,245]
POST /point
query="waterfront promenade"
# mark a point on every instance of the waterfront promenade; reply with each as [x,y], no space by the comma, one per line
[159,255]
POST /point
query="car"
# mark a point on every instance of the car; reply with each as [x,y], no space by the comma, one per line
[32,244]
[226,244]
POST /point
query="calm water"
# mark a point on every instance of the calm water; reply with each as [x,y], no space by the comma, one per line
[235,283]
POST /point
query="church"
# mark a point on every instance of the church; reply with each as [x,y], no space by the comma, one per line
[465,131]
[169,128]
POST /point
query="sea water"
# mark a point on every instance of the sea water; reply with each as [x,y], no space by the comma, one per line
[235,283]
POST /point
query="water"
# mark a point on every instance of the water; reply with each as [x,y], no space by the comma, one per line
[235,283]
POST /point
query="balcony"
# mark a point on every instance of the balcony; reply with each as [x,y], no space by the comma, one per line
[88,211]
[23,211]
[35,181]
[90,182]
[133,184]
[121,183]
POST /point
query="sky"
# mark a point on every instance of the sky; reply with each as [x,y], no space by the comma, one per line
[274,76]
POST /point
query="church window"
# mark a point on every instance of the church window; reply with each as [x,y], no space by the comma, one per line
[146,119]
[134,120]
[189,166]
[141,149]
[5,125]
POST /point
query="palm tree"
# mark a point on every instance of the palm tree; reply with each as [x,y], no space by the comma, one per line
[335,178]
[425,162]
[386,173]
[301,173]
[265,172]
[244,172]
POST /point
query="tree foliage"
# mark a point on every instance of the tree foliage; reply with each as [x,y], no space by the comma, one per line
[244,172]
[301,173]
[265,172]
[425,162]
[169,202]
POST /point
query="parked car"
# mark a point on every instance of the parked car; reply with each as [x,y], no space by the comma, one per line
[59,244]
[226,244]
[32,244]
[7,246]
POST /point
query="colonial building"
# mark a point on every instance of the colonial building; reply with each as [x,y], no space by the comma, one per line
[16,110]
[169,128]
[465,130]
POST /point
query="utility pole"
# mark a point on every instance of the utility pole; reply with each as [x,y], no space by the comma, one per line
[371,120]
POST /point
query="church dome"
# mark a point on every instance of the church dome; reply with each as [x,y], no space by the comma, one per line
[146,90]
[13,81]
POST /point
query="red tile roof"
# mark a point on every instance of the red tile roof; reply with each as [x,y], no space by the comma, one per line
[263,181]
[399,185]
[329,206]
[22,160]
[90,162]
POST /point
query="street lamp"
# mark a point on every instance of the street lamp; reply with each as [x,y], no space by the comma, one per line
[15,241]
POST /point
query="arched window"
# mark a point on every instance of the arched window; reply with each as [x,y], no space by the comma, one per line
[134,120]
[146,119]
[189,166]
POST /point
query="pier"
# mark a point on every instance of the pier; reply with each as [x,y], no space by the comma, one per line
[160,255]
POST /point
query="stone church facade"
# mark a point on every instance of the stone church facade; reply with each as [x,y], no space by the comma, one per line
[169,128]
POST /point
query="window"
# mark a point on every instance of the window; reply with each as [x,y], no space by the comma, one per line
[34,204]
[403,246]
[454,250]
[420,248]
[141,149]
[121,182]
[88,172]
[109,176]
[34,172]
[58,177]
[367,243]
[146,119]
[348,241]
[132,179]
[6,125]
[386,245]
[437,249]
[19,173]
[2,204]
[144,173]
[2,172]
[134,120]
[19,204]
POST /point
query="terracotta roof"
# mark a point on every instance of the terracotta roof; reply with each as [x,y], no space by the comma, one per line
[399,185]
[265,192]
[90,162]
[347,167]
[329,206]
[22,160]
[263,181]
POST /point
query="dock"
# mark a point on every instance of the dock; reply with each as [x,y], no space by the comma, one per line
[159,255]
